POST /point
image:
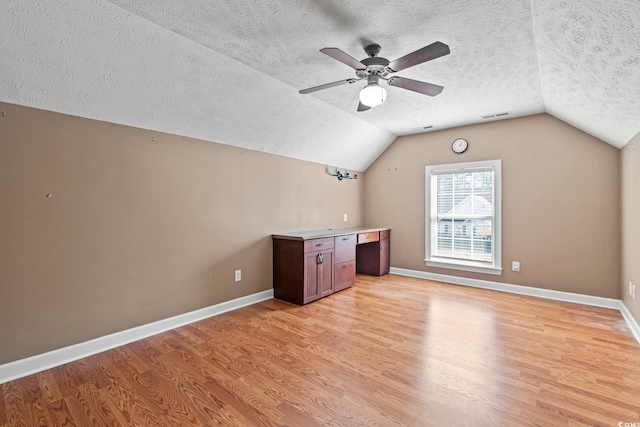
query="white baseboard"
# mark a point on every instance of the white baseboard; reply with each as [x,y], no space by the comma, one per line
[40,362]
[611,303]
[31,365]
[631,322]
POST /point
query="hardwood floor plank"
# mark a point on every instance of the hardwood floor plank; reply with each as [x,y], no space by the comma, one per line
[122,390]
[187,383]
[576,413]
[99,407]
[318,402]
[391,350]
[92,372]
[146,350]
[295,416]
[49,386]
[611,405]
[38,402]
[58,414]
[129,408]
[68,377]
[17,407]
[3,408]
[80,411]
[179,411]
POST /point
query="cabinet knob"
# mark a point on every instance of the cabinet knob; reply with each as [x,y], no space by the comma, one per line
[345,238]
[318,244]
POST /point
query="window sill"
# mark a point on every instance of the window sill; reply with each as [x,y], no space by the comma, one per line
[474,267]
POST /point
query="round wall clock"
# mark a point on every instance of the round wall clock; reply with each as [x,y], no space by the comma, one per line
[460,145]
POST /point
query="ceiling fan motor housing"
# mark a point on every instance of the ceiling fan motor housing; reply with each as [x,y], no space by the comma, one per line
[375,65]
[372,50]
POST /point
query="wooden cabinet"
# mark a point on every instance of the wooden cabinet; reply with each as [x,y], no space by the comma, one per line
[373,258]
[345,274]
[372,236]
[345,247]
[318,244]
[306,269]
[319,270]
[303,271]
[385,255]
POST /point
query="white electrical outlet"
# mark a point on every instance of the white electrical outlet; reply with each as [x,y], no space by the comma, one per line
[345,217]
[515,266]
[238,275]
[633,295]
[630,289]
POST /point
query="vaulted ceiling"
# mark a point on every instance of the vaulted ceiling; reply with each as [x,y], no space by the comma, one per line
[229,71]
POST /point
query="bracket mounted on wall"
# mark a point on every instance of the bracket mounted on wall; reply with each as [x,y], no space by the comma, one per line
[341,173]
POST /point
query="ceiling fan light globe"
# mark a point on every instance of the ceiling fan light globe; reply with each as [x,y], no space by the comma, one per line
[373,95]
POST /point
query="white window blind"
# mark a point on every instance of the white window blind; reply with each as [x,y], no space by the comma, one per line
[463,216]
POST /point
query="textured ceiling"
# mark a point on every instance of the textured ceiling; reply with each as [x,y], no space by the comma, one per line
[589,59]
[230,71]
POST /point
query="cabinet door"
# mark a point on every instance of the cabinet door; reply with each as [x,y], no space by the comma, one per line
[311,272]
[318,274]
[368,258]
[326,270]
[345,247]
[384,256]
[345,275]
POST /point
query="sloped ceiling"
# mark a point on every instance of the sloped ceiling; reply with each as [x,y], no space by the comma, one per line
[229,71]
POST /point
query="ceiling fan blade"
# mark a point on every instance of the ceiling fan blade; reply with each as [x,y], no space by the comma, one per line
[327,86]
[343,57]
[415,85]
[362,107]
[427,53]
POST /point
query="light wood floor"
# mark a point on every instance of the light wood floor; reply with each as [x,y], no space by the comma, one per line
[390,351]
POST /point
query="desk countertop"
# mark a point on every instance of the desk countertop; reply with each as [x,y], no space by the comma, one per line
[327,232]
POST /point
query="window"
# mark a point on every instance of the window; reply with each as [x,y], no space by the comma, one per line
[463,216]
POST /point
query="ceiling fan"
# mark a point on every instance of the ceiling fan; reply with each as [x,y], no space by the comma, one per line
[375,68]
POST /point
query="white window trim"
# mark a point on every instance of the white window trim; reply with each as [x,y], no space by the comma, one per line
[477,267]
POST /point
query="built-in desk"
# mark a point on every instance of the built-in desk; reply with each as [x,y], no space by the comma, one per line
[308,265]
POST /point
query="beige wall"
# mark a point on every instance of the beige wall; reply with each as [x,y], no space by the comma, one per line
[630,177]
[561,202]
[138,230]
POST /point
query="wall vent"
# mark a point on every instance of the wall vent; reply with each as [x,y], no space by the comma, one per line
[491,116]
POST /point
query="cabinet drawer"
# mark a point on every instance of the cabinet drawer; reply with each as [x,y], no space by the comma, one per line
[345,275]
[345,248]
[318,244]
[384,234]
[368,237]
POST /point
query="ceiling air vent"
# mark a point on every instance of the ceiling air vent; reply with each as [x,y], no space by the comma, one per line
[421,128]
[493,116]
